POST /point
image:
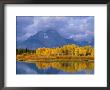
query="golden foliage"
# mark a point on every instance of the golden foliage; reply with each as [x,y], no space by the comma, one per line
[69,58]
[72,49]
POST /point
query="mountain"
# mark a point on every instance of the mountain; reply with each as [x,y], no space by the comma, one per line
[49,38]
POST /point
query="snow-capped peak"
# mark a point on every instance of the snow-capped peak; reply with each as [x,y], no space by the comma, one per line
[45,35]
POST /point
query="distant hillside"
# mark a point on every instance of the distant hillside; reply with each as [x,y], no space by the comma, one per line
[50,38]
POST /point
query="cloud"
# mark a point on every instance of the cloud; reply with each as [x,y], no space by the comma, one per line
[67,26]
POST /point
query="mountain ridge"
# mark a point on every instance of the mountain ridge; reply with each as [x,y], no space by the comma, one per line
[50,39]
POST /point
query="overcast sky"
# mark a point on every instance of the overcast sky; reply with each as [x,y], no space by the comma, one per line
[76,27]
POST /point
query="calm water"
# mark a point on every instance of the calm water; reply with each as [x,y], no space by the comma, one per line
[55,68]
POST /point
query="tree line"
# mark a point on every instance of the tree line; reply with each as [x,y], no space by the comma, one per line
[23,51]
[70,49]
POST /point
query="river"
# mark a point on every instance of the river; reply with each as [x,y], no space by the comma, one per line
[85,67]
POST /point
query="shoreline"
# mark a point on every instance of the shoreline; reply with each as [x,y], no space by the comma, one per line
[34,58]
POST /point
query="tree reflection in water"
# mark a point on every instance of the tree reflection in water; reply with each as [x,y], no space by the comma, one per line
[70,66]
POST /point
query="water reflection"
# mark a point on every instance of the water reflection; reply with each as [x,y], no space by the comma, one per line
[70,66]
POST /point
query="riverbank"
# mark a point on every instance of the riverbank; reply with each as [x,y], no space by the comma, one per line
[34,58]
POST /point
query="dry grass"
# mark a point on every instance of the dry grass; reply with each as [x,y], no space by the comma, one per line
[28,57]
